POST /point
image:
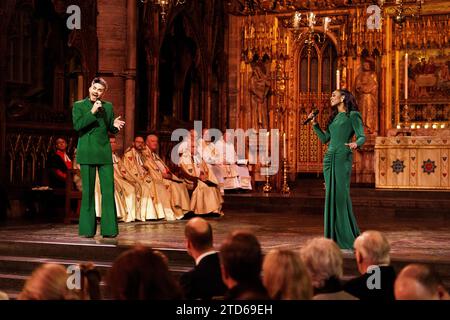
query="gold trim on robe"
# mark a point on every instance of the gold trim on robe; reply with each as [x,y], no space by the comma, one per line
[206,197]
[173,188]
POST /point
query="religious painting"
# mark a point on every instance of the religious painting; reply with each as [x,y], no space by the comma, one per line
[427,86]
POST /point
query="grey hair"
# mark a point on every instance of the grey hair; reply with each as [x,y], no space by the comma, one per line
[374,246]
[323,260]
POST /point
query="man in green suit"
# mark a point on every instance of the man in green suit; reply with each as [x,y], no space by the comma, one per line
[93,119]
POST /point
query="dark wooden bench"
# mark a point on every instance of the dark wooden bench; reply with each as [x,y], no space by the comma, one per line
[71,194]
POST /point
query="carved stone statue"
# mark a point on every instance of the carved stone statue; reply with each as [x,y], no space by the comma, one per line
[259,91]
[367,95]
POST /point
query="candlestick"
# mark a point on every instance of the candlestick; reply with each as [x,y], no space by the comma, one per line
[406,76]
[267,187]
[284,145]
[285,187]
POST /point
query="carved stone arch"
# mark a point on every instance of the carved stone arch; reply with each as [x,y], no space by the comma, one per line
[85,40]
[197,69]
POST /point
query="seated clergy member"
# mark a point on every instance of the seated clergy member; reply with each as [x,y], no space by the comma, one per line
[419,282]
[211,156]
[205,280]
[372,251]
[162,175]
[206,197]
[134,172]
[59,163]
[160,193]
[234,176]
[124,190]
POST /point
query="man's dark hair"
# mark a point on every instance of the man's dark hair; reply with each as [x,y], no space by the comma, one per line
[100,81]
[200,240]
[241,257]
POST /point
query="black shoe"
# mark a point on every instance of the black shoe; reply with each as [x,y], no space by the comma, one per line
[110,236]
[188,215]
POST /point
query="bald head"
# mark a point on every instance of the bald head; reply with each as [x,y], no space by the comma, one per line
[373,247]
[152,142]
[199,233]
[419,282]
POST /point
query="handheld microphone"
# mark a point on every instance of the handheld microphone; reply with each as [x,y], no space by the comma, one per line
[315,113]
[100,109]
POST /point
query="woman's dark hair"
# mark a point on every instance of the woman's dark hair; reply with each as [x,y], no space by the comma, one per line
[142,274]
[93,277]
[349,104]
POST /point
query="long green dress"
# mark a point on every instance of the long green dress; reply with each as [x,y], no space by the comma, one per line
[340,224]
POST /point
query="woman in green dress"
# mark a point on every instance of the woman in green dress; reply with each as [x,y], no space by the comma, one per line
[344,122]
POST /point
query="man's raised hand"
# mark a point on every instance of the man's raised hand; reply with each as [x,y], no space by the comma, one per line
[118,123]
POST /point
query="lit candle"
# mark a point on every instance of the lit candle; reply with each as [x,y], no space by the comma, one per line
[398,126]
[284,145]
[406,76]
[338,79]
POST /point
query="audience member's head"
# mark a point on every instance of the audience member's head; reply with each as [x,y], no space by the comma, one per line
[61,144]
[419,282]
[199,237]
[142,274]
[47,282]
[139,143]
[90,282]
[240,259]
[371,248]
[3,296]
[285,276]
[152,142]
[323,260]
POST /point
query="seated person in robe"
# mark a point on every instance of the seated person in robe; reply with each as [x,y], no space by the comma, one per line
[58,164]
[154,201]
[124,190]
[211,156]
[232,175]
[162,175]
[206,197]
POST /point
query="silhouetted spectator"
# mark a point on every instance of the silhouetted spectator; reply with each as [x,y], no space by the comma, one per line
[47,282]
[285,276]
[419,282]
[142,274]
[240,263]
[323,260]
[372,251]
[205,280]
[90,282]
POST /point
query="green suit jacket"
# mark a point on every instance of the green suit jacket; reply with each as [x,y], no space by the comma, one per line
[93,142]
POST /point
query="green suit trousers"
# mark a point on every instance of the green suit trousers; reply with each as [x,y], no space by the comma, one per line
[88,223]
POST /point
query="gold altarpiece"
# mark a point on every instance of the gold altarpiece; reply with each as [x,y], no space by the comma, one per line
[362,57]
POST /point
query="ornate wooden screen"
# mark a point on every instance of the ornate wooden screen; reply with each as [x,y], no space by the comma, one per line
[316,80]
